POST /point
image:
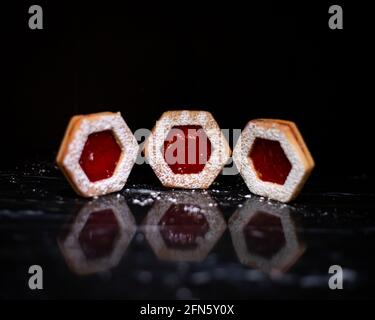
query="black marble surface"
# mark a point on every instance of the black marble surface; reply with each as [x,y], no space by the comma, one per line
[240,246]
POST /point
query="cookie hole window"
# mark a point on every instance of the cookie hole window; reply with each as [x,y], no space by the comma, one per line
[182,226]
[269,161]
[264,235]
[99,234]
[187,149]
[100,155]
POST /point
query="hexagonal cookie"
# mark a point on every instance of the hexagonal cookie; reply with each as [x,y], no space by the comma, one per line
[97,153]
[187,149]
[273,159]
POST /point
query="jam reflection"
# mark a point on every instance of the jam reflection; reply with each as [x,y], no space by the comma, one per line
[98,236]
[183,226]
[264,236]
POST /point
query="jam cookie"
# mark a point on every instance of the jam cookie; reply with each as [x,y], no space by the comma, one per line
[187,149]
[273,159]
[97,153]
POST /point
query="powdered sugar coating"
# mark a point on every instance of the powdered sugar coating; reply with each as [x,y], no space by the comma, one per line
[82,128]
[219,155]
[302,163]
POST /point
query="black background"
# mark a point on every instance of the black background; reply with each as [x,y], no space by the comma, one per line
[238,60]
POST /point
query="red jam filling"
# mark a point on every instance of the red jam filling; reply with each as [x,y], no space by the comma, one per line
[187,149]
[100,155]
[264,235]
[270,161]
[98,236]
[182,225]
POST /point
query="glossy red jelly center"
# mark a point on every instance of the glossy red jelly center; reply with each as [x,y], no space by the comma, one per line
[187,149]
[270,161]
[264,235]
[100,155]
[99,234]
[182,225]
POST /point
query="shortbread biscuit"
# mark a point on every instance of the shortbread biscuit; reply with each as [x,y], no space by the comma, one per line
[80,152]
[273,158]
[186,175]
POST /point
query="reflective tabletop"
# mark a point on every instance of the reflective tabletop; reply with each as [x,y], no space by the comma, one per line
[147,242]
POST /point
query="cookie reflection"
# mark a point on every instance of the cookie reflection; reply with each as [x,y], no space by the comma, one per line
[183,226]
[264,236]
[98,236]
